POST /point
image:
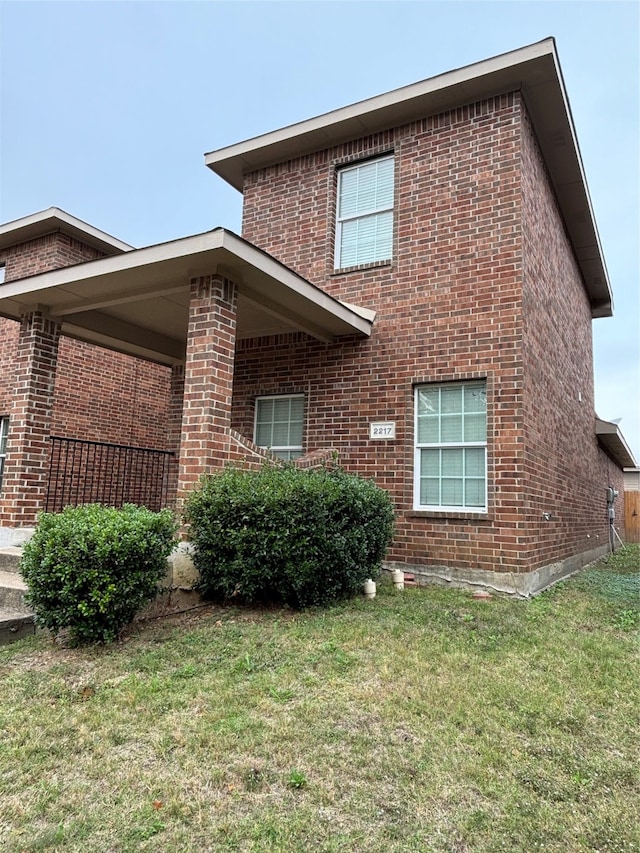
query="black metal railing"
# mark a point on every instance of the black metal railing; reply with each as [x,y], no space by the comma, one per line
[83,472]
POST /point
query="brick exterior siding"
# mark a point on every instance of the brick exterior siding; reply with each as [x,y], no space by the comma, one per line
[99,395]
[49,252]
[481,284]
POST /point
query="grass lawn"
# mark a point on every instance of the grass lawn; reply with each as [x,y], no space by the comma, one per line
[420,721]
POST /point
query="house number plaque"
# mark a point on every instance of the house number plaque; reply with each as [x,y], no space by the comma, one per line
[380,430]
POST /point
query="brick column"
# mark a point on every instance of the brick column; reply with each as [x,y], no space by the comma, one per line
[208,380]
[174,428]
[25,480]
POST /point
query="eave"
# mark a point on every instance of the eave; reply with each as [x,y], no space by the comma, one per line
[53,220]
[534,70]
[611,439]
[138,302]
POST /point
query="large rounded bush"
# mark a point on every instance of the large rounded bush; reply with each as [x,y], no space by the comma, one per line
[282,534]
[91,568]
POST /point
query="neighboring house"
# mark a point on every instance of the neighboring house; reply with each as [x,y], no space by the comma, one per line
[414,289]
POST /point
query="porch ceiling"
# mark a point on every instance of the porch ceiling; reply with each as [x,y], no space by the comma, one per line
[138,302]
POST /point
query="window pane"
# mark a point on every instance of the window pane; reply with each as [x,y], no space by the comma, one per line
[384,191]
[430,463]
[451,428]
[428,401]
[281,409]
[430,492]
[384,236]
[475,398]
[451,400]
[428,432]
[474,493]
[280,434]
[349,243]
[295,434]
[367,176]
[474,462]
[452,463]
[263,435]
[297,408]
[452,494]
[475,428]
[348,201]
[265,411]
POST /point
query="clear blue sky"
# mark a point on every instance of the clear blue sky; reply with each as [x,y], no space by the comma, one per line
[107,108]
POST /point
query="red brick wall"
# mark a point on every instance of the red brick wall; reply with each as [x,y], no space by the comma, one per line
[566,473]
[107,396]
[50,252]
[448,308]
[8,352]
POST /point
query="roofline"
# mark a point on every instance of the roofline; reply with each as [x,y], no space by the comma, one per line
[244,252]
[534,70]
[612,439]
[52,220]
[266,147]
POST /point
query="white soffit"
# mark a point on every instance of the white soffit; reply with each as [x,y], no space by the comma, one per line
[534,70]
[612,439]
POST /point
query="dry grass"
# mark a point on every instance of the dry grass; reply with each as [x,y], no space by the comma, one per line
[421,721]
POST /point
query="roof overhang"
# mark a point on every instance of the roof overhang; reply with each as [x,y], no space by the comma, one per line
[612,440]
[138,302]
[534,70]
[54,220]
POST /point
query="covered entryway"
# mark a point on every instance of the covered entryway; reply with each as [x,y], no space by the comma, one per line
[183,304]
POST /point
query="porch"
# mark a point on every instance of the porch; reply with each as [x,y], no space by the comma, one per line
[182,304]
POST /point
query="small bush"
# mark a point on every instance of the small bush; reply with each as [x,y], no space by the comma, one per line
[286,535]
[91,568]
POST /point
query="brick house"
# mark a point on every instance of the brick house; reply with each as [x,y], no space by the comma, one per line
[413,289]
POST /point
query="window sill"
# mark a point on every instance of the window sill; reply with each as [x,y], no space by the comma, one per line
[362,267]
[460,515]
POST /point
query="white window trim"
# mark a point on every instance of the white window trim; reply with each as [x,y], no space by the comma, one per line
[292,448]
[361,214]
[418,447]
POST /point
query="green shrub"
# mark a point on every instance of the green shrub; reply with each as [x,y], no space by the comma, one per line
[286,535]
[91,568]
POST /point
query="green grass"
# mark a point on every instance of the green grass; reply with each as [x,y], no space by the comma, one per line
[420,721]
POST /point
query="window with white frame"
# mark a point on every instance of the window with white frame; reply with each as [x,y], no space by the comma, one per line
[451,446]
[279,424]
[4,431]
[364,216]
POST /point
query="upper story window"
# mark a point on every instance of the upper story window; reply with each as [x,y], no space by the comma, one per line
[451,447]
[279,424]
[364,217]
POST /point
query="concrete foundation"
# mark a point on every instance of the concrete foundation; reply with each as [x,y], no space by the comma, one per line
[506,583]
